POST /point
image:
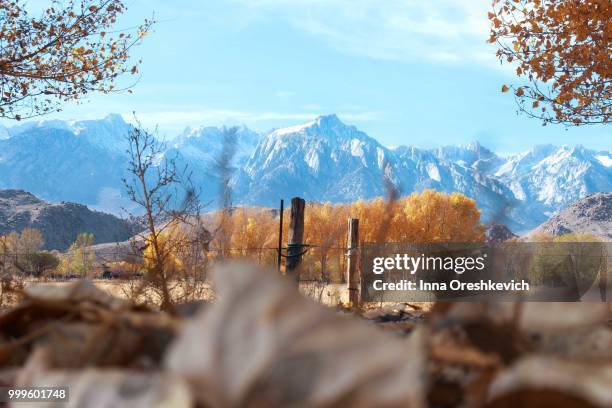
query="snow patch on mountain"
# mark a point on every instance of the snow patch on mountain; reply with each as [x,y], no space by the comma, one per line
[433,172]
[292,129]
[606,161]
[322,160]
[205,145]
[326,160]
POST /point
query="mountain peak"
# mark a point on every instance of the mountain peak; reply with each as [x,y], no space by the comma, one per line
[328,120]
[18,196]
[474,145]
[579,151]
[324,123]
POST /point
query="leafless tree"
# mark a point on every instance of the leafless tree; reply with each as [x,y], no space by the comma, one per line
[167,199]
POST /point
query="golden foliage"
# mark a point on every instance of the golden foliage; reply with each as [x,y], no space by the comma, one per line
[182,248]
[563,49]
[426,217]
[168,241]
[80,257]
[62,55]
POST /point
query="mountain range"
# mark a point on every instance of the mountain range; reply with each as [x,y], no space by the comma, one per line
[322,160]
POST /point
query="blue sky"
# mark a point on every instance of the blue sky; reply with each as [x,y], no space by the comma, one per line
[407,72]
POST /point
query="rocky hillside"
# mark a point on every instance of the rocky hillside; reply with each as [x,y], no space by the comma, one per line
[592,214]
[497,233]
[59,223]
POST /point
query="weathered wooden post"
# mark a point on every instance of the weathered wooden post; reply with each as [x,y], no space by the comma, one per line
[352,270]
[295,246]
[280,236]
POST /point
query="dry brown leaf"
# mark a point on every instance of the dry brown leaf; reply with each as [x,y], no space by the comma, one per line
[528,316]
[79,291]
[487,326]
[548,382]
[105,388]
[587,344]
[83,326]
[562,316]
[262,344]
[466,355]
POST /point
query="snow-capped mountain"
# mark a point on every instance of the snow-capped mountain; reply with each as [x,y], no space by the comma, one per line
[322,160]
[326,160]
[108,133]
[200,150]
[555,176]
[205,144]
[56,164]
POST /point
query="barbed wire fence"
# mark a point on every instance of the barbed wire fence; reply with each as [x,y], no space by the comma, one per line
[266,255]
[317,262]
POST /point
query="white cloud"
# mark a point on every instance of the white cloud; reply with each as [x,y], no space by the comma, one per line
[442,31]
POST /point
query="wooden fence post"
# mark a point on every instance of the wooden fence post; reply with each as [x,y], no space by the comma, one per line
[295,246]
[279,257]
[352,271]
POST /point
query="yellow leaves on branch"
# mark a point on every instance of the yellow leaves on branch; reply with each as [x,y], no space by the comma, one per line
[62,55]
[429,216]
[168,243]
[563,49]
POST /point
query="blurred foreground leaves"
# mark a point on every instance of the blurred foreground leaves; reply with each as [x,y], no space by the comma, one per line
[262,344]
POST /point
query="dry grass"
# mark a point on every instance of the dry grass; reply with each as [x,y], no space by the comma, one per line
[331,294]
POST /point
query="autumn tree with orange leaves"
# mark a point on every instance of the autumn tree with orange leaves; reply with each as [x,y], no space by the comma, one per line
[562,49]
[425,217]
[63,54]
